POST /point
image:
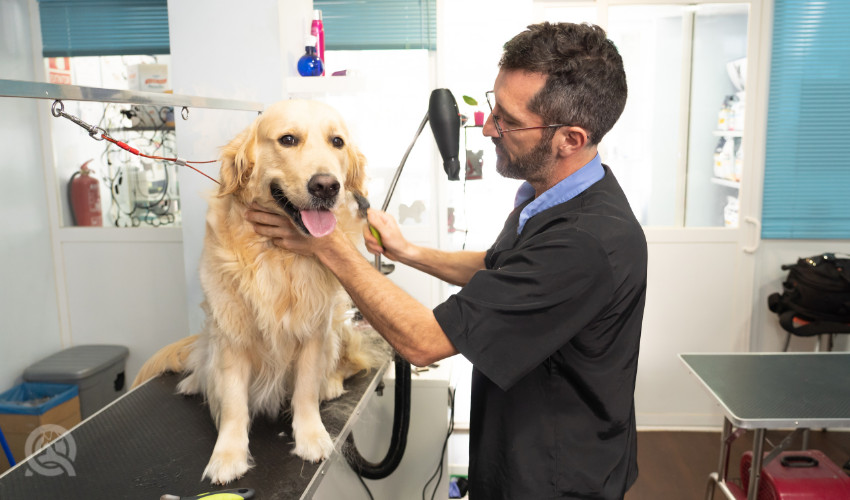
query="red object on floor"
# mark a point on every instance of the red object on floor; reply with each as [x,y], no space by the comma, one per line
[798,475]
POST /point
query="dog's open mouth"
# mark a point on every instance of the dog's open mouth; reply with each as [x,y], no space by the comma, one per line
[316,221]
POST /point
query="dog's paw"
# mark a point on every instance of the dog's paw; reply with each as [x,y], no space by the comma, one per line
[332,388]
[190,385]
[313,446]
[227,466]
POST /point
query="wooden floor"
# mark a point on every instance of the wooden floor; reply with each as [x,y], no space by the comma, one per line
[676,465]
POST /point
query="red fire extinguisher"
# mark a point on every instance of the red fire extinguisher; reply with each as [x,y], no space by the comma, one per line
[84,195]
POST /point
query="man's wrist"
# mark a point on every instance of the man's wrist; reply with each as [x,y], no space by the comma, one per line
[409,254]
[335,251]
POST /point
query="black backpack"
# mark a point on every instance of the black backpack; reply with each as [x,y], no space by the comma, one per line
[816,289]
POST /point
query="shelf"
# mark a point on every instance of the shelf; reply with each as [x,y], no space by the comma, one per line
[726,182]
[728,133]
[311,85]
[78,234]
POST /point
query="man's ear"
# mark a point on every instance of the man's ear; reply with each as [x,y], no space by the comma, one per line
[355,179]
[237,161]
[569,140]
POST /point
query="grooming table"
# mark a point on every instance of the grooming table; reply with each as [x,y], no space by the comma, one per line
[771,391]
[153,441]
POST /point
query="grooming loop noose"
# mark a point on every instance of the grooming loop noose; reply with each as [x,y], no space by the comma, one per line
[99,134]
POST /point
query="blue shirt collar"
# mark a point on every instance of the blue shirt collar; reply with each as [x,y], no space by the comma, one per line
[561,192]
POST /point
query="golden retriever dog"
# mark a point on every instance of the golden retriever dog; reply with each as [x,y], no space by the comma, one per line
[276,327]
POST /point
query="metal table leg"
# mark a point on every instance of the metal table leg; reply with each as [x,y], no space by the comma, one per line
[755,468]
[719,477]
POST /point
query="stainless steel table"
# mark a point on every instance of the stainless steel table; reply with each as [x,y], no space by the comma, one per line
[759,391]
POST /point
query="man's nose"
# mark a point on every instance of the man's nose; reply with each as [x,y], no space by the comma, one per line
[489,129]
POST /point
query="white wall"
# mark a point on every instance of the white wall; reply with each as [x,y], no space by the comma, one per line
[28,303]
[125,290]
[691,301]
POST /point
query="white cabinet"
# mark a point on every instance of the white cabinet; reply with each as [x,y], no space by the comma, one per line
[429,421]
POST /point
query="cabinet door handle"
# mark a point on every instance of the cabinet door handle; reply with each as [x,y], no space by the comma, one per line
[757,223]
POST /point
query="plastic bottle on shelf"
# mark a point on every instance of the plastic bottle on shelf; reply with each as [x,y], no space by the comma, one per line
[724,158]
[310,64]
[737,120]
[727,156]
[317,29]
[730,212]
[723,115]
[739,162]
[718,164]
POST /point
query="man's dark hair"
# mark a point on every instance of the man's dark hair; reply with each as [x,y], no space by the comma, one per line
[585,85]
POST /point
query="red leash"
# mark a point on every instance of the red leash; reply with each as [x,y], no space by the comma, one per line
[98,134]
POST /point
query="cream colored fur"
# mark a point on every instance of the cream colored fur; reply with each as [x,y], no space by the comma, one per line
[276,328]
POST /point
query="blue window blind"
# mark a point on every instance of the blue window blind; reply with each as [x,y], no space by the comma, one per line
[379,24]
[807,158]
[103,27]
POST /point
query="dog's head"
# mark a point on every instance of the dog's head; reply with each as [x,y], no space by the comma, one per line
[296,158]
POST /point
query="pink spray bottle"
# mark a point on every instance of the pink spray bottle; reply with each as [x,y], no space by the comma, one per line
[318,30]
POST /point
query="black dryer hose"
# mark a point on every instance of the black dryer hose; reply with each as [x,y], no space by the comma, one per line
[398,440]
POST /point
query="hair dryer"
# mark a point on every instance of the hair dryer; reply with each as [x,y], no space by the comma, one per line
[445,125]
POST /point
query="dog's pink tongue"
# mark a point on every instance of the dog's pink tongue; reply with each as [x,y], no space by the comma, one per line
[318,222]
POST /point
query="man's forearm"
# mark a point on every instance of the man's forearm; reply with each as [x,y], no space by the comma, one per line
[456,268]
[408,326]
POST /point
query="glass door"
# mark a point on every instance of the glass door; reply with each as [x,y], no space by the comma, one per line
[716,126]
[645,145]
[681,134]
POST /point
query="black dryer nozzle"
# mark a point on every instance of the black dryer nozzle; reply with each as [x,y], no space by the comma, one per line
[444,117]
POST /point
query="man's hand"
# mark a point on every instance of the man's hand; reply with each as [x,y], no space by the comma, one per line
[395,247]
[283,233]
[415,333]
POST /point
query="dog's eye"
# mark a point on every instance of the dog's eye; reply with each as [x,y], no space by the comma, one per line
[288,140]
[338,142]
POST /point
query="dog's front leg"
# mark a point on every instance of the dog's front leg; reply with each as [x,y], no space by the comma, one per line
[312,441]
[228,394]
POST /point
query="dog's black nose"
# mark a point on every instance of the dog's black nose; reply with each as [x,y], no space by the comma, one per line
[323,186]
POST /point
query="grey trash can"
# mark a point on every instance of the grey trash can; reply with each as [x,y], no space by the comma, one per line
[97,370]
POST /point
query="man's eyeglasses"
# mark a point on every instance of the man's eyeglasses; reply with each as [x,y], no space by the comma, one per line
[490,96]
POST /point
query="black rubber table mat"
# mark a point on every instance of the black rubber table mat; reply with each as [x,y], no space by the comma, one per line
[153,441]
[778,390]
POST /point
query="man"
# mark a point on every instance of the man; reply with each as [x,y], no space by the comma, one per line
[550,316]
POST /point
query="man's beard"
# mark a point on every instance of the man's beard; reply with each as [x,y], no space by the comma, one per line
[532,165]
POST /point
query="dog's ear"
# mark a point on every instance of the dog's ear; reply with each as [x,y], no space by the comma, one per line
[237,161]
[355,180]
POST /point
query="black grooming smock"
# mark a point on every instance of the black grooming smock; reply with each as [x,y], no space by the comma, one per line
[552,327]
